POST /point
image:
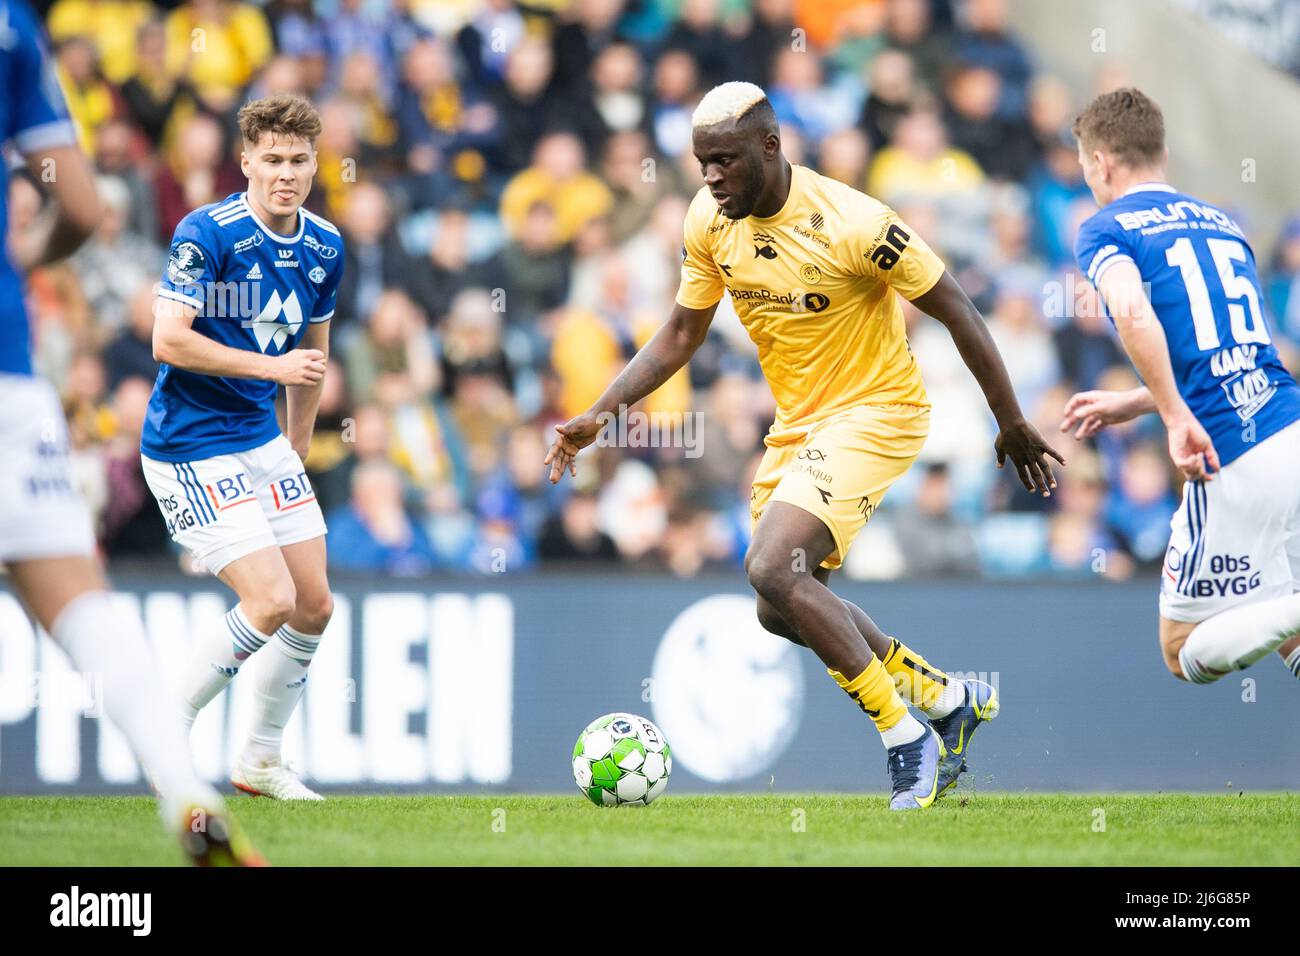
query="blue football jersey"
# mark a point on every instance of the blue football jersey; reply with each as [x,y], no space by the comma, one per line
[1200,276]
[34,117]
[255,290]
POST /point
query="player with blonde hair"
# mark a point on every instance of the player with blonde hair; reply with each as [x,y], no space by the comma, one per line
[813,268]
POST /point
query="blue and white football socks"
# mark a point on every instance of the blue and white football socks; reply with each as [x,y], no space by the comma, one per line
[215,659]
[279,688]
[1238,637]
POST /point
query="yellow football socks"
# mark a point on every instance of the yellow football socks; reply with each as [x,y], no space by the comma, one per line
[917,680]
[874,692]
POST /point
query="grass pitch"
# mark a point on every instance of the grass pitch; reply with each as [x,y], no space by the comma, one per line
[779,829]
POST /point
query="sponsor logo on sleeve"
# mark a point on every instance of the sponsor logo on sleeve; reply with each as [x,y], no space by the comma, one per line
[318,247]
[185,264]
[887,253]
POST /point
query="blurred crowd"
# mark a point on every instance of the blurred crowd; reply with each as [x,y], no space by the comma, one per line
[511,180]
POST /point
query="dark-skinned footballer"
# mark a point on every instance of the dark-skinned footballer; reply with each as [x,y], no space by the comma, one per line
[812,266]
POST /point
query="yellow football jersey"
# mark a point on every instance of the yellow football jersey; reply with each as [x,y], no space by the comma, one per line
[814,285]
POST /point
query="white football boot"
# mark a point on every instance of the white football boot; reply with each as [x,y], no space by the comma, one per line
[277,781]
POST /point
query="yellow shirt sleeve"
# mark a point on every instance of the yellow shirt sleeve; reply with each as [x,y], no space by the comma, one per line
[889,250]
[701,284]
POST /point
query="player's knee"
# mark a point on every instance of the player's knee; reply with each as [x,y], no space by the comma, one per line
[769,576]
[273,607]
[314,613]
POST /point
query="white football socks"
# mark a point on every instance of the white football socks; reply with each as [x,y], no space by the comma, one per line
[104,639]
[1238,637]
[216,658]
[950,698]
[904,732]
[279,688]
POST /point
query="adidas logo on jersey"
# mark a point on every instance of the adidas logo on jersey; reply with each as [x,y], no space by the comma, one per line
[255,272]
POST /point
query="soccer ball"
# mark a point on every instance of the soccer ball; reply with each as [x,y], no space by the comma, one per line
[621,760]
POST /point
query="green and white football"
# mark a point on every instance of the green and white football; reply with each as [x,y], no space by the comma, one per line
[621,760]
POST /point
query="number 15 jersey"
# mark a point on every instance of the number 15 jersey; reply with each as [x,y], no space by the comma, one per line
[1200,277]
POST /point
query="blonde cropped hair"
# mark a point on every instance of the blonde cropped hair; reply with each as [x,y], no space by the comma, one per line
[727,101]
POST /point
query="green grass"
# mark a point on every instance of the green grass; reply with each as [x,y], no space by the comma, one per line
[981,829]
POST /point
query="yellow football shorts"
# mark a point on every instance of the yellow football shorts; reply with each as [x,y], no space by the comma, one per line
[842,468]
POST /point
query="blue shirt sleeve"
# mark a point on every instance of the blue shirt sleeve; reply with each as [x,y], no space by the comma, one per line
[1101,244]
[329,291]
[192,264]
[39,119]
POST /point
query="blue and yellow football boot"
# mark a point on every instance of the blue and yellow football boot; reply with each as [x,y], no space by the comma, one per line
[957,728]
[914,769]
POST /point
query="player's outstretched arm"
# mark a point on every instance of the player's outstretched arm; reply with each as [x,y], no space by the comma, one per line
[176,343]
[302,401]
[67,176]
[1143,338]
[1089,412]
[1017,439]
[656,362]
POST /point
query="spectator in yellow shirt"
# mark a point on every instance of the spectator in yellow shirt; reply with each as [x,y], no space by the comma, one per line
[110,25]
[218,45]
[919,163]
[559,177]
[89,98]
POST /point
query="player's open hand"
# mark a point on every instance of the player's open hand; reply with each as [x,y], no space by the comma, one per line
[1089,412]
[299,367]
[574,435]
[1027,450]
[1192,450]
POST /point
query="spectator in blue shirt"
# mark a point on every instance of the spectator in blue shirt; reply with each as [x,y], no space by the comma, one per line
[374,532]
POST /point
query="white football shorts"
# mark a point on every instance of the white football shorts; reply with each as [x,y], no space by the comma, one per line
[222,508]
[41,513]
[1236,539]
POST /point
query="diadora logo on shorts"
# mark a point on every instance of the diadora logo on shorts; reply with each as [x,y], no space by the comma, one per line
[292,492]
[278,322]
